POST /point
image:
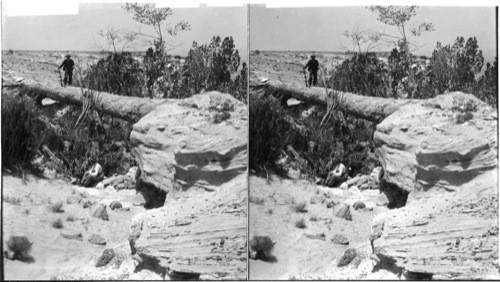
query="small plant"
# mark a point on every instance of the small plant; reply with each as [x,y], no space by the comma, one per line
[57,207]
[26,211]
[270,211]
[314,218]
[262,247]
[300,207]
[257,200]
[70,218]
[300,223]
[12,200]
[19,246]
[57,223]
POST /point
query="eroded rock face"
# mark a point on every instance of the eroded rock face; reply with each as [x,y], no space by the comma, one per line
[199,140]
[443,153]
[195,150]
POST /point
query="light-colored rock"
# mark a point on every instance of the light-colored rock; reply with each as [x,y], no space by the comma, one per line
[99,211]
[178,141]
[198,235]
[354,190]
[448,165]
[342,211]
[100,185]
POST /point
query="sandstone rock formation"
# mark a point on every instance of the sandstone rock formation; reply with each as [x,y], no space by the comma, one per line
[443,153]
[439,159]
[186,141]
[195,151]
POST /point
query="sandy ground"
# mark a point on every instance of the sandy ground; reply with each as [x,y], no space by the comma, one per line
[298,256]
[52,255]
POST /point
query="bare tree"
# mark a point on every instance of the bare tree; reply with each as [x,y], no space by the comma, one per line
[360,39]
[149,15]
[116,39]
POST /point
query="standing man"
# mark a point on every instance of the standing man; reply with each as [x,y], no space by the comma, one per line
[67,66]
[312,66]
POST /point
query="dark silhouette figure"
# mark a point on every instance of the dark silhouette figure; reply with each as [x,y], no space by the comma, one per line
[67,66]
[312,66]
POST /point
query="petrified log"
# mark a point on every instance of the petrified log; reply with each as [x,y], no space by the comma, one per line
[370,108]
[127,108]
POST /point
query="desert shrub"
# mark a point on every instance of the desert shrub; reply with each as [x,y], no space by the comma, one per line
[70,218]
[57,223]
[21,129]
[56,207]
[211,67]
[20,246]
[300,223]
[12,200]
[362,73]
[313,218]
[300,207]
[486,87]
[262,246]
[118,73]
[257,200]
[268,129]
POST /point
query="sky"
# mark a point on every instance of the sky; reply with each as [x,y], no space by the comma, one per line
[79,31]
[279,25]
[321,29]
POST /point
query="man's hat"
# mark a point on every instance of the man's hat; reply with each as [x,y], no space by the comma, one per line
[313,56]
[67,56]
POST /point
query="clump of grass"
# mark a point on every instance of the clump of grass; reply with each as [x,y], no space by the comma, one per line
[300,223]
[257,200]
[12,200]
[20,246]
[270,211]
[57,223]
[56,207]
[26,211]
[314,218]
[70,218]
[300,207]
[262,246]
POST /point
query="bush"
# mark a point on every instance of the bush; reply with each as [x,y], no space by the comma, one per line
[118,73]
[257,200]
[20,246]
[300,207]
[57,223]
[12,200]
[262,246]
[57,207]
[300,223]
[21,131]
[268,129]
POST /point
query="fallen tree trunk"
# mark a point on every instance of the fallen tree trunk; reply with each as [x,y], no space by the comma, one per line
[370,108]
[128,108]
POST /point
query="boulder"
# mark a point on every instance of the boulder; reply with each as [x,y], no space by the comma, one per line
[106,256]
[442,156]
[97,239]
[115,205]
[342,211]
[347,257]
[186,234]
[359,205]
[179,141]
[340,239]
[337,176]
[195,152]
[99,211]
[93,176]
